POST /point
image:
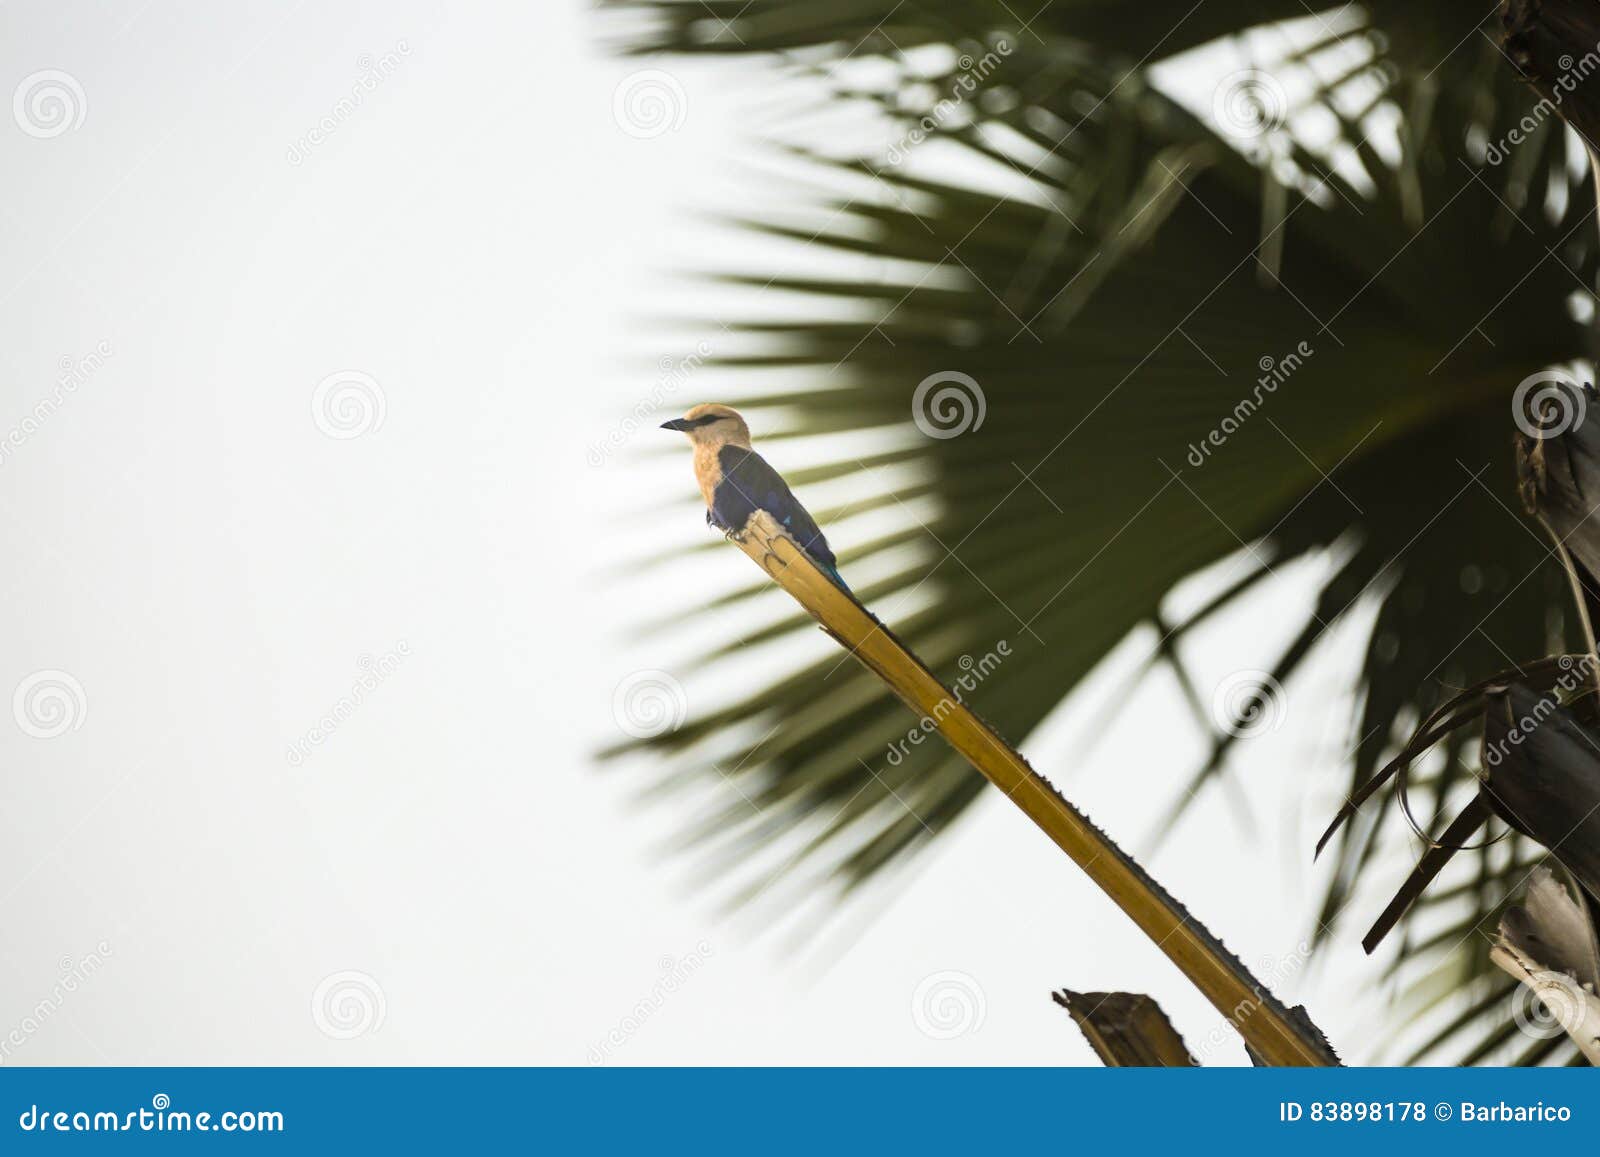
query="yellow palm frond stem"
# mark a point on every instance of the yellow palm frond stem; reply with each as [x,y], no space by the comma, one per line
[1276,1034]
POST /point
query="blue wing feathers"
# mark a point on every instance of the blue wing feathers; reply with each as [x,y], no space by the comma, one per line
[747,475]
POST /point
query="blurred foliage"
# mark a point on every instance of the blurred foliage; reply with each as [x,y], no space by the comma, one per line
[1115,309]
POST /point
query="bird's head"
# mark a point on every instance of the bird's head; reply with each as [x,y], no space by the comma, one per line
[712,423]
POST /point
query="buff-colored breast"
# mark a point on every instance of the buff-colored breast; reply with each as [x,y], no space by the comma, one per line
[707,468]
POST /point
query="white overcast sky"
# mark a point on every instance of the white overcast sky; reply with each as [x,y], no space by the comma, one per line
[480,239]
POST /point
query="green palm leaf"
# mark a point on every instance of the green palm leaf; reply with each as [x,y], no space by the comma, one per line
[1144,278]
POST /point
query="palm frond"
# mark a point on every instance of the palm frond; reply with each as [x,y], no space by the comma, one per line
[1145,278]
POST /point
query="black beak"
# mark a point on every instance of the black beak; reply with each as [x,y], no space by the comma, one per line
[676,424]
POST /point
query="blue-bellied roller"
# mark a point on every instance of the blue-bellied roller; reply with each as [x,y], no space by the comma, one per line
[737,483]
